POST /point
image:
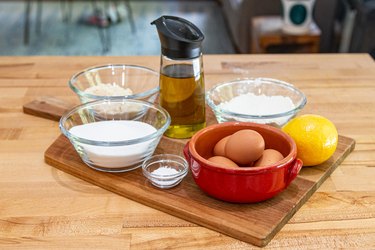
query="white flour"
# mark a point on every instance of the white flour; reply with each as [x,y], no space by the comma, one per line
[102,89]
[112,131]
[250,104]
[259,105]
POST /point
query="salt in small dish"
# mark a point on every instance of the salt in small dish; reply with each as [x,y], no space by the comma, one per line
[165,170]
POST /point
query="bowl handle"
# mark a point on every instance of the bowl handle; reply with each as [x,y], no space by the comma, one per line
[186,152]
[294,170]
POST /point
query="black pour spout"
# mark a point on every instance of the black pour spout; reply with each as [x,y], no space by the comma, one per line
[179,38]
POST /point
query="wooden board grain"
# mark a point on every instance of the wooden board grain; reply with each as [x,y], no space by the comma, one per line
[47,107]
[253,223]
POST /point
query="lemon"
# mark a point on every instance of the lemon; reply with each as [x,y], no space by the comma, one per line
[316,138]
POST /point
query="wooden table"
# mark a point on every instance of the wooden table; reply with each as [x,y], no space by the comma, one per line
[42,207]
[268,36]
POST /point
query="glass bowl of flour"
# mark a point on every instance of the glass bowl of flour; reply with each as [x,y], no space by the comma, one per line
[115,80]
[115,135]
[260,100]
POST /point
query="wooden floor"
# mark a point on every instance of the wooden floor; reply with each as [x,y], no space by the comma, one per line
[74,38]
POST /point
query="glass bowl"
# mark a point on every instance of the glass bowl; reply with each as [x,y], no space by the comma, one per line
[165,170]
[260,100]
[115,135]
[115,80]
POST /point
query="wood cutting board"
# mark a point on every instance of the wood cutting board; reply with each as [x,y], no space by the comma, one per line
[253,223]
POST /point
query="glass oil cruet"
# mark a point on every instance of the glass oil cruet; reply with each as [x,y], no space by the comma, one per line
[182,91]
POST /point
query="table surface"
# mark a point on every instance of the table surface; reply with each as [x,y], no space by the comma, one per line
[42,207]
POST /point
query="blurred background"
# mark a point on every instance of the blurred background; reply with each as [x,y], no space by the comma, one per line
[70,27]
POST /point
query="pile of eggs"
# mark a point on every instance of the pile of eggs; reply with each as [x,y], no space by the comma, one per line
[244,148]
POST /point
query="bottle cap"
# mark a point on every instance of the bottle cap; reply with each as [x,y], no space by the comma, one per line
[179,38]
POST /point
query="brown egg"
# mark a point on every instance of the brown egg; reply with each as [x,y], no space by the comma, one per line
[251,164]
[269,157]
[219,148]
[223,161]
[244,146]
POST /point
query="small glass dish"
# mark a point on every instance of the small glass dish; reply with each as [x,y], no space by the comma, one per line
[263,107]
[165,170]
[106,81]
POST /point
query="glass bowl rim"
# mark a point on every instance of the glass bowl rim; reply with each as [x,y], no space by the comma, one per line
[284,84]
[76,109]
[108,66]
[166,177]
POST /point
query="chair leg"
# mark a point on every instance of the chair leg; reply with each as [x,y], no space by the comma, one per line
[70,10]
[66,10]
[107,30]
[131,18]
[39,17]
[66,15]
[102,32]
[26,30]
[63,10]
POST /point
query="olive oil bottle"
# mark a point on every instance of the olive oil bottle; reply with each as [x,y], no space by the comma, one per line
[182,91]
[182,95]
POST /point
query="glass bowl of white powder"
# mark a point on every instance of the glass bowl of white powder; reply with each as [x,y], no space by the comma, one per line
[115,135]
[165,170]
[115,80]
[260,100]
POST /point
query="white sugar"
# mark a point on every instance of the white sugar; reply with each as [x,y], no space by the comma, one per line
[112,131]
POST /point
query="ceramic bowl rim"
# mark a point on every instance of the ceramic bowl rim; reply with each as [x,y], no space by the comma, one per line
[243,171]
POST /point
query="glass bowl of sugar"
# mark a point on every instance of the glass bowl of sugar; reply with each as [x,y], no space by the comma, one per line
[115,80]
[260,100]
[165,170]
[115,135]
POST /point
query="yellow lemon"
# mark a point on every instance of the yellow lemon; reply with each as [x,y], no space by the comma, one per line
[316,138]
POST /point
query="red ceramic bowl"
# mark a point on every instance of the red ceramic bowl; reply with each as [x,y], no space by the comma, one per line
[242,185]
